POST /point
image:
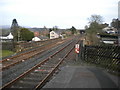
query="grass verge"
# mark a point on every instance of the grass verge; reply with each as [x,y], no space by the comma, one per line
[4,53]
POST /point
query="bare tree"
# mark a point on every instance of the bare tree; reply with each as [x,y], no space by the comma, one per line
[95,19]
[95,26]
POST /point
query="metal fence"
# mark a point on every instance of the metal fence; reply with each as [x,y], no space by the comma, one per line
[107,57]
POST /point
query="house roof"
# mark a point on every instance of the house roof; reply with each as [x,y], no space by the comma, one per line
[58,31]
[43,37]
[36,39]
[10,36]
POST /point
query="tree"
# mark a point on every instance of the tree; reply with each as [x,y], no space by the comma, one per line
[95,26]
[86,27]
[115,23]
[55,28]
[73,30]
[15,30]
[26,35]
[96,19]
[50,30]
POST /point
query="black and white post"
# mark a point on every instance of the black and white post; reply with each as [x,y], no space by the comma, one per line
[77,49]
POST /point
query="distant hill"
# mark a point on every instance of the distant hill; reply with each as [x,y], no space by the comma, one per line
[42,29]
[4,32]
[5,26]
[36,29]
[5,29]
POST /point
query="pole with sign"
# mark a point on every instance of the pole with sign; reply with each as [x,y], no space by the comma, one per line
[77,50]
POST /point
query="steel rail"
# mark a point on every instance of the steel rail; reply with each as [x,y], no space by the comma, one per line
[20,54]
[26,58]
[25,73]
[42,83]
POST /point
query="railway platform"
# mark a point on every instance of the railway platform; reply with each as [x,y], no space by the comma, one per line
[83,76]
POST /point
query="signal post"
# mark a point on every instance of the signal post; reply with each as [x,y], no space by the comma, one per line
[77,51]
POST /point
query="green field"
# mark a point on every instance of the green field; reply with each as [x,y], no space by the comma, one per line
[4,53]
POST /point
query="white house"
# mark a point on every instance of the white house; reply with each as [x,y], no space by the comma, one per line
[110,30]
[36,39]
[54,35]
[10,36]
[6,38]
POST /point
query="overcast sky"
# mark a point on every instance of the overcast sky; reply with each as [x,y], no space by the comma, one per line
[61,13]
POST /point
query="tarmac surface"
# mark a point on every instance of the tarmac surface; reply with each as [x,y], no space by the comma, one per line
[83,76]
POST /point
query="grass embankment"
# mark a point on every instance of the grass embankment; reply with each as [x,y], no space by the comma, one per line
[4,53]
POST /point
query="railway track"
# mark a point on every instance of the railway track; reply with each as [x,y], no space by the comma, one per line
[38,75]
[29,45]
[19,68]
[7,63]
[13,72]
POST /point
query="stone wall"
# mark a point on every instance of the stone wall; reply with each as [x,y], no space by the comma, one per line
[7,46]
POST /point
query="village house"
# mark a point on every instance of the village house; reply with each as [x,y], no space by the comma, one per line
[6,38]
[38,37]
[54,34]
[110,30]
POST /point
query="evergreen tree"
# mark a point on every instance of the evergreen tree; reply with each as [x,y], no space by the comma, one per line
[26,35]
[15,30]
[73,30]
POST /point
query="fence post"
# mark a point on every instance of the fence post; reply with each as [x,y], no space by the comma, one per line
[81,54]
